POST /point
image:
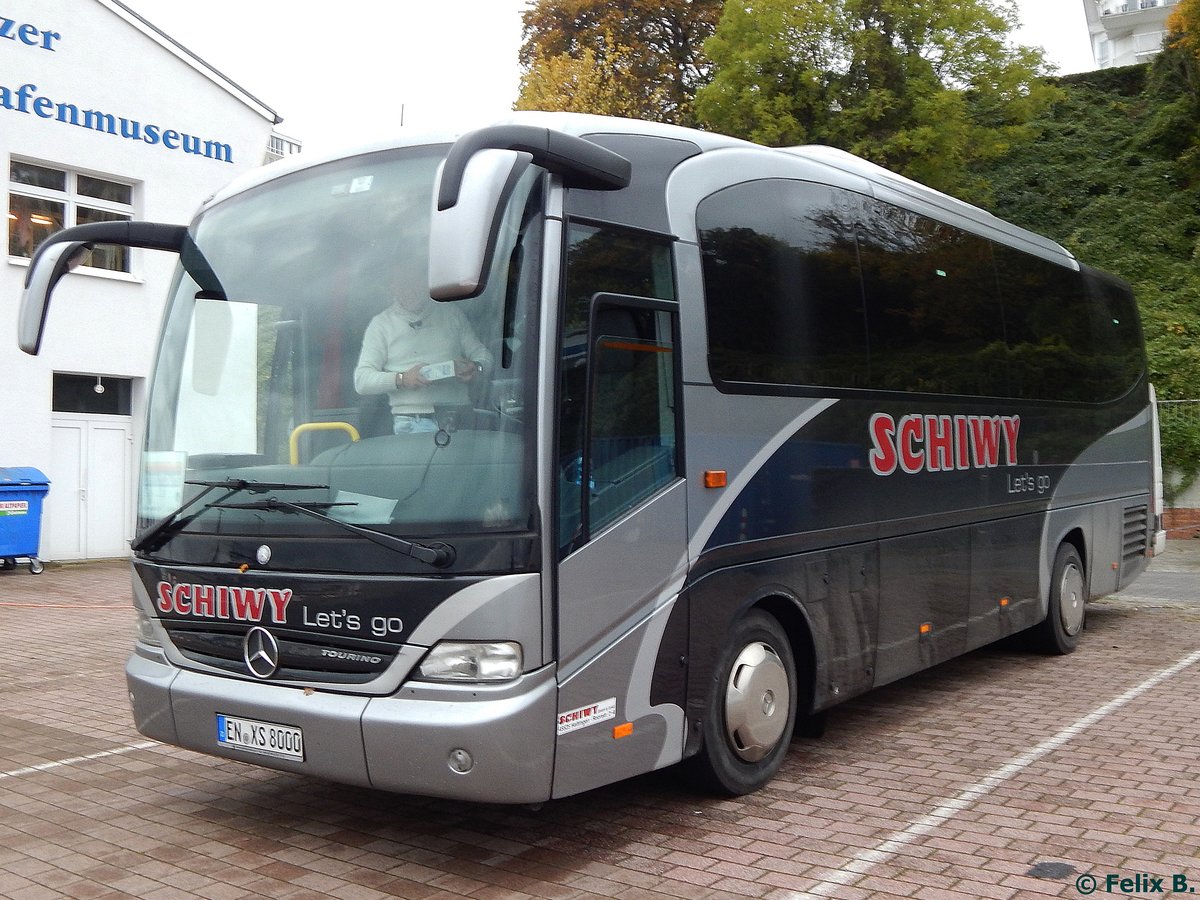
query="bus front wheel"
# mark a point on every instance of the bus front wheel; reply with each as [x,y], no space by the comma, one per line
[1059,631]
[751,709]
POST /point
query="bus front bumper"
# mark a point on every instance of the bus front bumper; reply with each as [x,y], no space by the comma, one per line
[483,743]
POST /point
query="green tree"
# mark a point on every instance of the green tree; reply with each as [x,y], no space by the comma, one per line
[925,88]
[1174,90]
[775,66]
[647,52]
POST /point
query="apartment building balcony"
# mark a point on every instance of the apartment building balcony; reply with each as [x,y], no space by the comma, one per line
[279,146]
[1126,32]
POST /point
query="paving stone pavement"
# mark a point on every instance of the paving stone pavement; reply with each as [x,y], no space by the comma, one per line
[971,780]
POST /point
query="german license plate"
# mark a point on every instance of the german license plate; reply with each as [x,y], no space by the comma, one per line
[268,738]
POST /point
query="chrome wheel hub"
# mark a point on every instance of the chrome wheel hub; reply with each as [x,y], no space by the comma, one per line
[757,699]
[1071,600]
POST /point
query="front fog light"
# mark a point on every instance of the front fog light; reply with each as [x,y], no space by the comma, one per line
[460,761]
[145,630]
[470,661]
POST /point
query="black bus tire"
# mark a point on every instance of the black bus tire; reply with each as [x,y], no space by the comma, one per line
[1059,632]
[751,711]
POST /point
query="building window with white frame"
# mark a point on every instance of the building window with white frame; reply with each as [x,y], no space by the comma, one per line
[43,198]
[1148,42]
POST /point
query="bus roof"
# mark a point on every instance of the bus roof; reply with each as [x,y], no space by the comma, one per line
[896,188]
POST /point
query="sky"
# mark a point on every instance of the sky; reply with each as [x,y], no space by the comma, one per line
[352,71]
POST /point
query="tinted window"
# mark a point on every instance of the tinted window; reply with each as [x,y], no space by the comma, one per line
[1048,326]
[781,283]
[811,285]
[91,394]
[932,310]
[607,260]
[632,451]
[1116,335]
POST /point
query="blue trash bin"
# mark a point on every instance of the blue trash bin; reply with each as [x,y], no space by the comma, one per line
[22,490]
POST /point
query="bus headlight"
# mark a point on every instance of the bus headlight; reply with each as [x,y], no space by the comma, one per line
[145,629]
[472,661]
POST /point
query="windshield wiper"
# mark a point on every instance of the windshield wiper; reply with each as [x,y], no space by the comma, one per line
[174,521]
[436,554]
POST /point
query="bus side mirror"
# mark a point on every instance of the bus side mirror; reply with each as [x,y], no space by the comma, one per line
[59,252]
[462,237]
[45,271]
[476,179]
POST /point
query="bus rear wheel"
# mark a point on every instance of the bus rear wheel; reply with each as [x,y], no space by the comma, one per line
[1059,632]
[751,711]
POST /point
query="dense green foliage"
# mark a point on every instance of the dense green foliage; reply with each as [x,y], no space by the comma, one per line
[1112,174]
[926,89]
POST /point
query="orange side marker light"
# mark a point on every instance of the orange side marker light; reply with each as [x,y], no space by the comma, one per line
[926,627]
[716,478]
[620,731]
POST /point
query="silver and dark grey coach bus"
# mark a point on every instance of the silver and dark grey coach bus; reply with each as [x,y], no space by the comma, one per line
[760,429]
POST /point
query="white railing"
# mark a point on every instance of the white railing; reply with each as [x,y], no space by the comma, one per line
[1182,411]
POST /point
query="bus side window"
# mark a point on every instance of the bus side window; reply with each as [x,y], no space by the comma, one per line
[601,259]
[1116,336]
[933,311]
[632,418]
[783,297]
[1047,317]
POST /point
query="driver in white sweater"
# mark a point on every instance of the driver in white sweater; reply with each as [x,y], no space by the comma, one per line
[422,354]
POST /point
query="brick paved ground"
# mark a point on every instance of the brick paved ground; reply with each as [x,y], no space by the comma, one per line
[952,784]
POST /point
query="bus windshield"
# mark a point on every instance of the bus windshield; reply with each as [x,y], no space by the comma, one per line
[301,351]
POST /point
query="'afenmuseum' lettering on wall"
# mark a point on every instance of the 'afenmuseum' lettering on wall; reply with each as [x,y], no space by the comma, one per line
[25,99]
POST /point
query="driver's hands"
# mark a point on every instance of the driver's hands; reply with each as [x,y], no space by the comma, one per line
[466,369]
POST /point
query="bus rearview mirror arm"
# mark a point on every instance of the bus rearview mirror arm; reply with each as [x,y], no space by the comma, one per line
[475,182]
[57,254]
[580,162]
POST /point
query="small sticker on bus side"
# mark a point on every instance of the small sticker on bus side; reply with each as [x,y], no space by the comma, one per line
[574,719]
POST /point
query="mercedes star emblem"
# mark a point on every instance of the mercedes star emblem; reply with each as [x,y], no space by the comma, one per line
[260,650]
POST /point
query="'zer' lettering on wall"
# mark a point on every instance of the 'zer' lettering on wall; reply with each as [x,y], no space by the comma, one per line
[29,35]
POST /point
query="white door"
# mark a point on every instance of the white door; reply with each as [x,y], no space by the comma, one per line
[62,509]
[89,510]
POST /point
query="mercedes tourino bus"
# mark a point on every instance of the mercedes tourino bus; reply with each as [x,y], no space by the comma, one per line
[744,432]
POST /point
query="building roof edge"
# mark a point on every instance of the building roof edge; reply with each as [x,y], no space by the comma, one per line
[196,62]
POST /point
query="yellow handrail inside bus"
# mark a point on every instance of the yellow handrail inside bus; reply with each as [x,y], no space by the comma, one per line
[294,440]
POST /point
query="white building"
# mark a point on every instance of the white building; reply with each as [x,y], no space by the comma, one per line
[1126,32]
[102,117]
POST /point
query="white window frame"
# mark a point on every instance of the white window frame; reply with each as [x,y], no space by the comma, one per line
[72,200]
[1147,42]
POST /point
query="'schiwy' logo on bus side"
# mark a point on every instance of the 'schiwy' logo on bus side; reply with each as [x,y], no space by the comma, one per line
[207,601]
[919,443]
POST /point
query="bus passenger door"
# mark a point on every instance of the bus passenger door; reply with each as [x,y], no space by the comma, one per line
[623,545]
